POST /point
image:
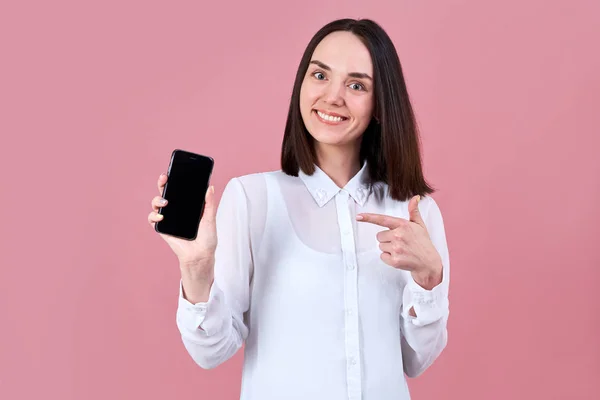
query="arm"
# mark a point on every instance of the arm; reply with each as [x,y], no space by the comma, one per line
[425,312]
[213,331]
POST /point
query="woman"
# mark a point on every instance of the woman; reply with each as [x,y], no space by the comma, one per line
[330,270]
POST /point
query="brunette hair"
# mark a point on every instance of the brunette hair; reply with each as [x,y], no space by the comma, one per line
[390,144]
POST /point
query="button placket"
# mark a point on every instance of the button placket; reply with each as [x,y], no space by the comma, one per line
[353,369]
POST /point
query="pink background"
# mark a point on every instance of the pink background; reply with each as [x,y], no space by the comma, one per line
[95,97]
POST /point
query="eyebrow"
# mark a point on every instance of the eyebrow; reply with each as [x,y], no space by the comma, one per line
[351,74]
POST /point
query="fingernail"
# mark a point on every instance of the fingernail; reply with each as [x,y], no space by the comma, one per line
[359,217]
[418,199]
[212,189]
[160,216]
[162,201]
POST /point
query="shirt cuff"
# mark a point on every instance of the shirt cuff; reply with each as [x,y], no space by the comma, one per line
[203,316]
[429,305]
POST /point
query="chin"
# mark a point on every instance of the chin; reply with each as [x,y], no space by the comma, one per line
[331,138]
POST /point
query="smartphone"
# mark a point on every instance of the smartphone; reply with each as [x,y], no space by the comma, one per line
[188,178]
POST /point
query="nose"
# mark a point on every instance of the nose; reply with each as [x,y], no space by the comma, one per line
[334,93]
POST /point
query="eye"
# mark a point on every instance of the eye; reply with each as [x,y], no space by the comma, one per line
[357,86]
[319,75]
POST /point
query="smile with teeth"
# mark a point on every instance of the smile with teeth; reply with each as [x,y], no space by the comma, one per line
[329,118]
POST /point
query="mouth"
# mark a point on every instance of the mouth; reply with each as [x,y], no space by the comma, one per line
[330,118]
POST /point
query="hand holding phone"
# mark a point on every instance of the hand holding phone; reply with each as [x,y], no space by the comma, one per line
[186,218]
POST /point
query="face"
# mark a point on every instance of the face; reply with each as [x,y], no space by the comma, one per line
[336,97]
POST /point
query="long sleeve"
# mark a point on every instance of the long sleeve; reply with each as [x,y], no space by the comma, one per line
[425,336]
[213,331]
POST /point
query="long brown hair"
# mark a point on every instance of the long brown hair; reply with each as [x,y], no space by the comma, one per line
[390,144]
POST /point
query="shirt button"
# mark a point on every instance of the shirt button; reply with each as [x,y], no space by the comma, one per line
[349,312]
[350,266]
[352,361]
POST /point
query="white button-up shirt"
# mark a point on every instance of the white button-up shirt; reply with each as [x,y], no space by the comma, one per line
[300,282]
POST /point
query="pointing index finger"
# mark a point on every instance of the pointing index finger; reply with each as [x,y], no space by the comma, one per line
[381,220]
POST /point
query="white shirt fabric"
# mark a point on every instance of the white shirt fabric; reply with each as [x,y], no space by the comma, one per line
[301,284]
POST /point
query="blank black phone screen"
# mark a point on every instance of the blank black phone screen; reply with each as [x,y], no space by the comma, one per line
[185,190]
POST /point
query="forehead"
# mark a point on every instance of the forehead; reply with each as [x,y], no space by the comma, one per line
[344,52]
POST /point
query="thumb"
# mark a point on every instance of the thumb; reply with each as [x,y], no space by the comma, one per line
[413,210]
[210,209]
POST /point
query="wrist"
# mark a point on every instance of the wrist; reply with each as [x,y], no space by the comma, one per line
[197,281]
[197,268]
[429,277]
[196,290]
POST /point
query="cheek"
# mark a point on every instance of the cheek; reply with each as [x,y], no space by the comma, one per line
[304,108]
[361,108]
[305,92]
[306,98]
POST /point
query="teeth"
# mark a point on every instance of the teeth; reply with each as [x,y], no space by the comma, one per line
[329,117]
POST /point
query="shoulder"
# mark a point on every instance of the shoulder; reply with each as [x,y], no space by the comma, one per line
[259,179]
[252,180]
[255,178]
[253,186]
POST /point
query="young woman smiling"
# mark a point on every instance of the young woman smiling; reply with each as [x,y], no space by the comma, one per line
[334,270]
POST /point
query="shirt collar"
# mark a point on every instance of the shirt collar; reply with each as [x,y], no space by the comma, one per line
[323,189]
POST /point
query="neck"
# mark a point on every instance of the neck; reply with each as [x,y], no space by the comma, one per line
[340,164]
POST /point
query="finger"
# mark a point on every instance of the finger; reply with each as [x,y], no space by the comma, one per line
[210,209]
[386,247]
[154,217]
[158,202]
[387,258]
[381,220]
[413,210]
[385,236]
[162,179]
